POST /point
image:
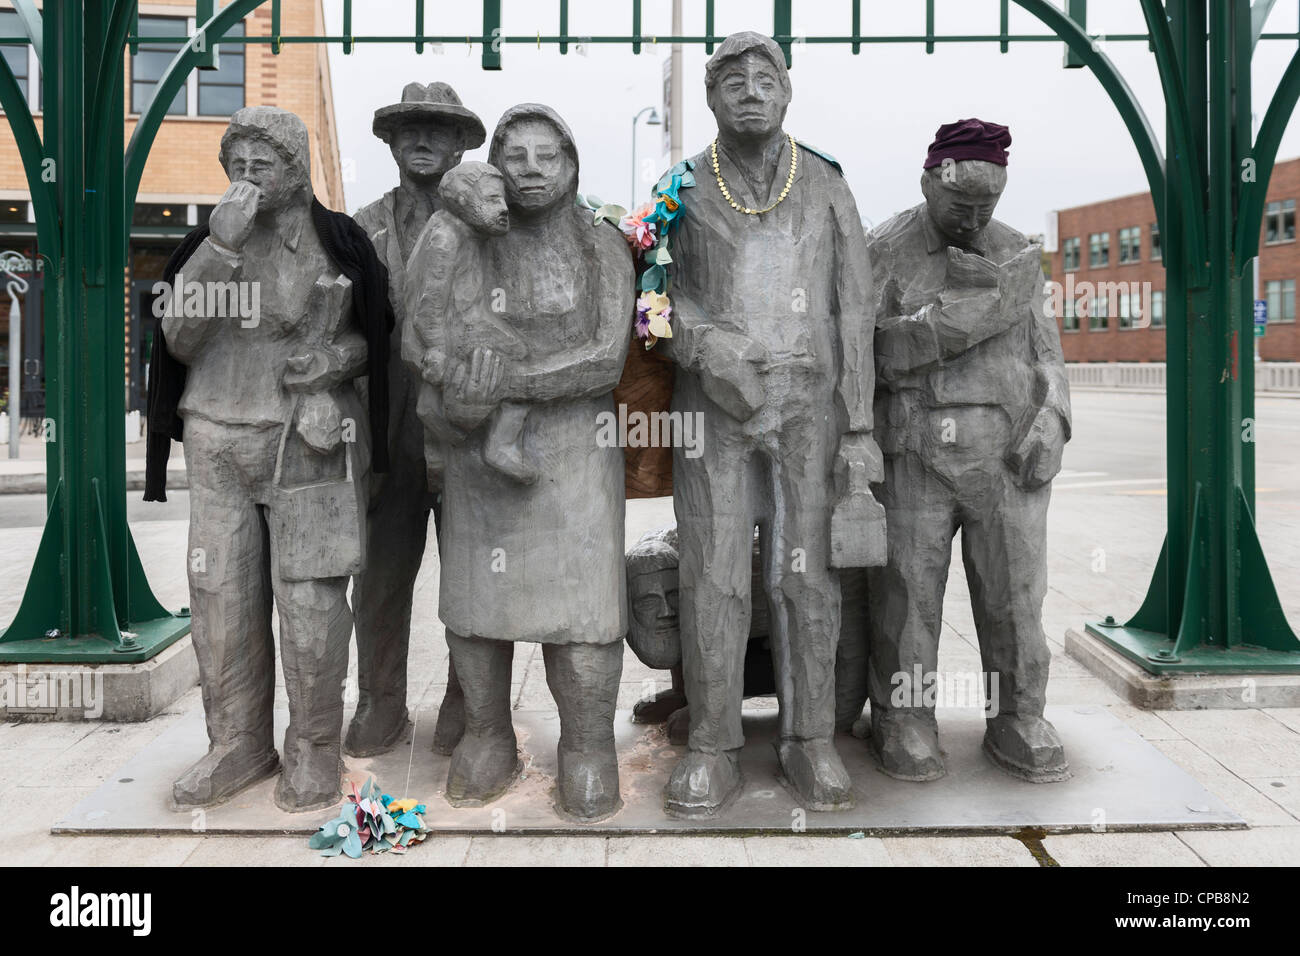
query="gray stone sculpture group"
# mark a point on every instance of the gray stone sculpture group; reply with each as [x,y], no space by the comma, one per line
[862,399]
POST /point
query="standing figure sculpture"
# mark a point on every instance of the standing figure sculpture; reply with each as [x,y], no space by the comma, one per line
[427,131]
[973,412]
[275,447]
[542,560]
[771,335]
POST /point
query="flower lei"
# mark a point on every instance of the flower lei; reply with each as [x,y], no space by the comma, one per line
[648,230]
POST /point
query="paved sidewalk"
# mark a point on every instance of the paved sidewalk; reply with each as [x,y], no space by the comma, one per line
[1103,539]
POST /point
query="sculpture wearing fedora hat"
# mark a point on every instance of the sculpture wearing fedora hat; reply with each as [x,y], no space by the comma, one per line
[428,131]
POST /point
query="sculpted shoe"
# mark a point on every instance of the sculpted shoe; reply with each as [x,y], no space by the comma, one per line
[586,786]
[375,731]
[679,727]
[657,709]
[482,768]
[221,773]
[451,721]
[814,771]
[703,784]
[1026,747]
[311,778]
[906,744]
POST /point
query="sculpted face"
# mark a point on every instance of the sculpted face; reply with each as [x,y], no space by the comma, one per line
[537,169]
[652,597]
[961,197]
[259,163]
[486,211]
[426,150]
[749,98]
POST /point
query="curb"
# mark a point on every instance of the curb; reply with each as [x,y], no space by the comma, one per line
[34,483]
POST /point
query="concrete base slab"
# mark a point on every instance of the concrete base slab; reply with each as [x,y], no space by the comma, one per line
[1120,782]
[122,693]
[1180,691]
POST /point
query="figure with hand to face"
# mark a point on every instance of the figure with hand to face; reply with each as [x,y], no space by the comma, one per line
[277,452]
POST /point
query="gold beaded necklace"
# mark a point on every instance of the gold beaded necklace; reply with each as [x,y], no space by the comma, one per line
[726,193]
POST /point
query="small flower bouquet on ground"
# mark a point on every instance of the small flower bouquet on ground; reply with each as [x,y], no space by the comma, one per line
[374,821]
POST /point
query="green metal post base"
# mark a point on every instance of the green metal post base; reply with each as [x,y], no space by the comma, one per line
[1266,645]
[38,634]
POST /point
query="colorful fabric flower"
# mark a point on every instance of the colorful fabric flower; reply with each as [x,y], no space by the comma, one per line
[669,203]
[638,228]
[653,313]
[338,836]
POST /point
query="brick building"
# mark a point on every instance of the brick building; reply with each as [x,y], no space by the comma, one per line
[183,179]
[1108,252]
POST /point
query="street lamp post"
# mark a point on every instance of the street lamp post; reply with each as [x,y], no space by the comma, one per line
[652,121]
[11,263]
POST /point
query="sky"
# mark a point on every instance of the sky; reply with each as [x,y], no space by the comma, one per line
[875,112]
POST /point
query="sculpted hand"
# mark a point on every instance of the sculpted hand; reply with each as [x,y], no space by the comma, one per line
[858,520]
[733,381]
[312,371]
[231,221]
[1036,458]
[474,387]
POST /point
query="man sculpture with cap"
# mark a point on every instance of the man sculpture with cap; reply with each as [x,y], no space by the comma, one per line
[771,336]
[275,443]
[427,132]
[972,414]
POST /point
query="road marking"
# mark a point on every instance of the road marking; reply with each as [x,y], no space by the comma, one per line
[1111,483]
[1067,474]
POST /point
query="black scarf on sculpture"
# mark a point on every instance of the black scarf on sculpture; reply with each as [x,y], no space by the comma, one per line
[351,251]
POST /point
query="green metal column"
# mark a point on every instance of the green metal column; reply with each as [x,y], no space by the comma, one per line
[1211,606]
[87,599]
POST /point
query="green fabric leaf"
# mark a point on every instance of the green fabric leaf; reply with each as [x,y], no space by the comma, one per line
[610,212]
[653,278]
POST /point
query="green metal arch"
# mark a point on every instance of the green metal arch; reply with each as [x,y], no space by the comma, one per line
[32,151]
[1139,127]
[186,59]
[110,65]
[1250,215]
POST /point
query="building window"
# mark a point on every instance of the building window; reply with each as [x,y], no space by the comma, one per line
[1281,300]
[1279,221]
[1130,309]
[1157,251]
[149,65]
[1099,314]
[16,56]
[159,214]
[1070,254]
[13,210]
[1158,310]
[221,91]
[1069,315]
[1099,250]
[1130,244]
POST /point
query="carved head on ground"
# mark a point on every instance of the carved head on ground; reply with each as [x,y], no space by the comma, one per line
[267,146]
[748,86]
[538,159]
[653,630]
[475,193]
[965,175]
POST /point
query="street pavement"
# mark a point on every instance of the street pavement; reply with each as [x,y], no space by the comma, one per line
[1105,529]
